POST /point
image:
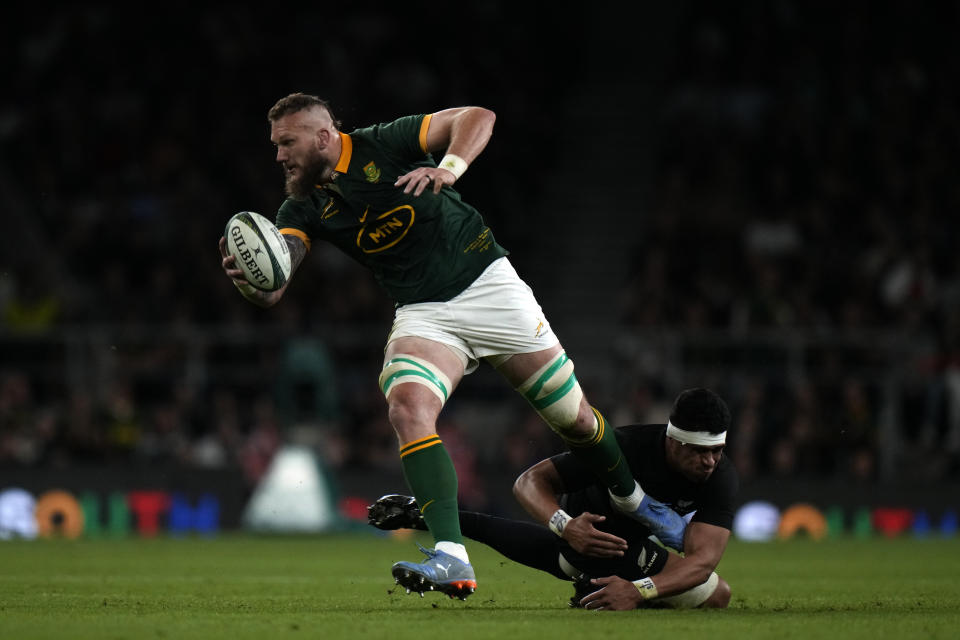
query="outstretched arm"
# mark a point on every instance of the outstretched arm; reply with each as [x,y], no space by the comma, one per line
[464,133]
[261,298]
[537,490]
[704,544]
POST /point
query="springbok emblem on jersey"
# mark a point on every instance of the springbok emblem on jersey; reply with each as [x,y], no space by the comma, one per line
[372,172]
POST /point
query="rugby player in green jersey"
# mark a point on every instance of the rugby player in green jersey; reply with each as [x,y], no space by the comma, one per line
[377,194]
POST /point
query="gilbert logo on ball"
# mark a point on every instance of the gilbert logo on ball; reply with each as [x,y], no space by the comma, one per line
[260,250]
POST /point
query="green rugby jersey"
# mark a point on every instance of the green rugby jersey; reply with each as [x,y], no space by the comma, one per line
[425,248]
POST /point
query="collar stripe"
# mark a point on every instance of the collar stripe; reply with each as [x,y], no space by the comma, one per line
[346,153]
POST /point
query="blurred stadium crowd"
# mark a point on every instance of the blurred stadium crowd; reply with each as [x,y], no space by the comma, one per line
[804,183]
[809,186]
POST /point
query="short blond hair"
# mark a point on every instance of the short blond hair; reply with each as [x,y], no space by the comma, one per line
[297,102]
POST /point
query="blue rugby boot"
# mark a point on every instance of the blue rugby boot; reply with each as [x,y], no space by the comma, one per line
[663,522]
[439,572]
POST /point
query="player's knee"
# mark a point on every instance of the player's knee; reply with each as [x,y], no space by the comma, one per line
[412,405]
[586,422]
[709,594]
[401,411]
[720,598]
[412,411]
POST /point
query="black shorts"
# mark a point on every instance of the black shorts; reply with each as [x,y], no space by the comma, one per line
[643,558]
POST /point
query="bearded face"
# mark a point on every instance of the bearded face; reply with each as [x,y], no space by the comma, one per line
[303,140]
[301,177]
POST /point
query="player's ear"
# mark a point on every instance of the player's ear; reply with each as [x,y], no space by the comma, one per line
[322,138]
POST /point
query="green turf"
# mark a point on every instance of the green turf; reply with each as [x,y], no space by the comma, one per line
[339,586]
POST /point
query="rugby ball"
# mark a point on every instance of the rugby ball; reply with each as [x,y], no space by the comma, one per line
[260,250]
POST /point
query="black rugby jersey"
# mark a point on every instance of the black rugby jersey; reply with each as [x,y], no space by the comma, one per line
[644,449]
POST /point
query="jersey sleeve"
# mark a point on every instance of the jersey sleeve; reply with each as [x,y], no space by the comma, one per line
[574,475]
[292,219]
[405,137]
[716,505]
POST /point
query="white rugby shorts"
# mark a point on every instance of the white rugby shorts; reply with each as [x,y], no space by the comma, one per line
[496,315]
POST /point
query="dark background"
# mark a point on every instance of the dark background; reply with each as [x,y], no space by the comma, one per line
[759,197]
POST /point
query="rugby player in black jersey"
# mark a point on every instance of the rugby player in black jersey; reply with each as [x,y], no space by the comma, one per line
[611,559]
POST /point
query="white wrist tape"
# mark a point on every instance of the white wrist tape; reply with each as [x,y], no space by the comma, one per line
[648,590]
[558,521]
[454,164]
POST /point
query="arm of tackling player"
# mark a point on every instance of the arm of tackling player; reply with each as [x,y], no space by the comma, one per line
[538,489]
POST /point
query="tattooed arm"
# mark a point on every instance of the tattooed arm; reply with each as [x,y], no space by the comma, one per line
[262,298]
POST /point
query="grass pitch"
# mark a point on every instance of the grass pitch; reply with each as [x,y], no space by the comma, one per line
[339,586]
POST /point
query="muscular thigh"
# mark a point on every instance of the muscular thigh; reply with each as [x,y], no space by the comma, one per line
[518,367]
[642,558]
[438,354]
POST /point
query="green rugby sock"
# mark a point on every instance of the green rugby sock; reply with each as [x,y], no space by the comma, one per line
[603,455]
[432,478]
